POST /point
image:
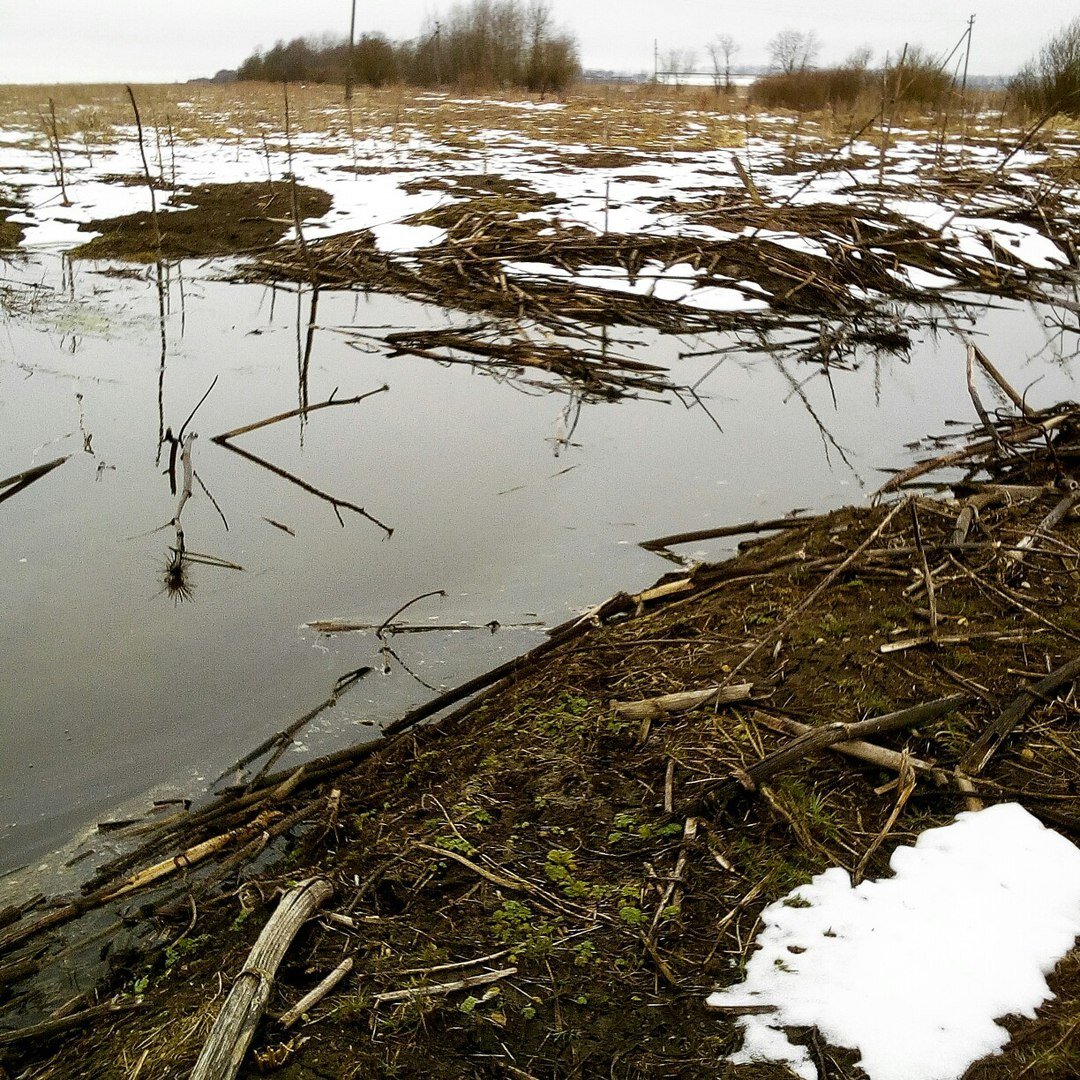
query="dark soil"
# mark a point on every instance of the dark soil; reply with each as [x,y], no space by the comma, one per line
[222,219]
[11,234]
[538,829]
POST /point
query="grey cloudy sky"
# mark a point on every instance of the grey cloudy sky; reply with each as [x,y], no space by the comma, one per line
[170,40]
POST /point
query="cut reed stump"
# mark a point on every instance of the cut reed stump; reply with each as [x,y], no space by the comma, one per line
[234,1028]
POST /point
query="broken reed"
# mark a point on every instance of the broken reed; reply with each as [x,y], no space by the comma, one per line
[54,135]
[149,178]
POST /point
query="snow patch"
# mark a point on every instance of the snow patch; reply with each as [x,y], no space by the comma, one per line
[913,970]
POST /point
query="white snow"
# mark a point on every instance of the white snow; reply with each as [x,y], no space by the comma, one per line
[676,284]
[393,237]
[913,970]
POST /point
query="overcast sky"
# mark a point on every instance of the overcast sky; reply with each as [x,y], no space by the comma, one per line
[51,41]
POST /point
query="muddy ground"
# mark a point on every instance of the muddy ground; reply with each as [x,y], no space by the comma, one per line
[538,829]
[11,233]
[217,219]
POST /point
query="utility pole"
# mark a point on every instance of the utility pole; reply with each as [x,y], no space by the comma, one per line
[967,54]
[349,69]
[438,54]
[656,60]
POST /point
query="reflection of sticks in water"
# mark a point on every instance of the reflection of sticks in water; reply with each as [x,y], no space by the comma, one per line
[175,441]
[304,356]
[87,436]
[277,744]
[15,484]
[343,626]
[304,486]
[164,356]
[175,576]
[336,503]
[385,631]
[386,651]
[827,438]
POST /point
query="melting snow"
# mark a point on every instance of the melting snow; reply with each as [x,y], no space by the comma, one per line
[913,970]
[677,284]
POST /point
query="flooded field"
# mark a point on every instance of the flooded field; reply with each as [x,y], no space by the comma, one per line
[521,494]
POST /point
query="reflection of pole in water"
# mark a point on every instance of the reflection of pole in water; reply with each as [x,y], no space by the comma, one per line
[567,423]
[303,354]
[160,282]
[175,578]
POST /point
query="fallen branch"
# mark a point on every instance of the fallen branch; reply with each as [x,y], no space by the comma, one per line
[820,738]
[665,704]
[432,989]
[871,753]
[984,748]
[313,997]
[722,531]
[965,453]
[234,1028]
[64,1023]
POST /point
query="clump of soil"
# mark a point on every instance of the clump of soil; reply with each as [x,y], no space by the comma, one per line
[11,233]
[220,219]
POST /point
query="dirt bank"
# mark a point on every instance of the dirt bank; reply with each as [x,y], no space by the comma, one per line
[217,219]
[11,234]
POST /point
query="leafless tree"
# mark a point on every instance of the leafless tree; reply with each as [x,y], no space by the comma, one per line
[860,59]
[794,50]
[721,49]
[679,62]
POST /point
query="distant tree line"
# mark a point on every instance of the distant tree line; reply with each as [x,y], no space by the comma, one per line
[914,79]
[485,43]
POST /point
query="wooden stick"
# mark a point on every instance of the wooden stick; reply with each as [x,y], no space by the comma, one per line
[413,992]
[928,578]
[955,457]
[859,749]
[984,748]
[456,965]
[225,436]
[313,997]
[1000,379]
[821,737]
[149,179]
[517,883]
[1058,514]
[665,704]
[63,1023]
[234,1028]
[724,530]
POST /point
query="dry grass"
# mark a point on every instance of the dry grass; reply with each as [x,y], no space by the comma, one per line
[637,116]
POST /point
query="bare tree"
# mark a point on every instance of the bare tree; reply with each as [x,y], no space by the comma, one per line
[679,62]
[721,49]
[794,50]
[860,59]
